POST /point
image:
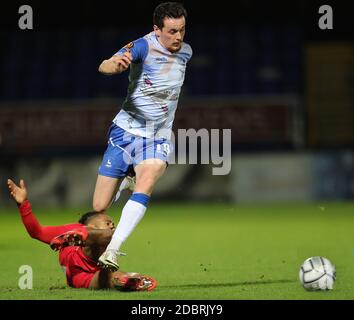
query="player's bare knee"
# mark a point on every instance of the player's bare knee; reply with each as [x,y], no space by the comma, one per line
[150,170]
[160,169]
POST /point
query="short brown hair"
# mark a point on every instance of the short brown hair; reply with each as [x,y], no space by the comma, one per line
[170,10]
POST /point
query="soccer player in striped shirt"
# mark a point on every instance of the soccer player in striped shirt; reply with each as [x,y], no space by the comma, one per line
[139,137]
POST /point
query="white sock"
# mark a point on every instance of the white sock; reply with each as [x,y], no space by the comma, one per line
[132,213]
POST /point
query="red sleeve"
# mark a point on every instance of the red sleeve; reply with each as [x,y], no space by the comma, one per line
[42,233]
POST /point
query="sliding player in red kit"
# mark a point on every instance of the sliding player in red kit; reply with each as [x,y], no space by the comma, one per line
[80,245]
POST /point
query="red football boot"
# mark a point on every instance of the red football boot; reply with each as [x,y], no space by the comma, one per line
[138,283]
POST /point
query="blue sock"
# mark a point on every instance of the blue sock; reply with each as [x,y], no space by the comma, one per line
[140,198]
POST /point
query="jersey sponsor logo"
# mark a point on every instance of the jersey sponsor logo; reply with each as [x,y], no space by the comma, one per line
[161,59]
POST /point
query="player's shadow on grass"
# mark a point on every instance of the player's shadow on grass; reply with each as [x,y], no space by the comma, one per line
[229,284]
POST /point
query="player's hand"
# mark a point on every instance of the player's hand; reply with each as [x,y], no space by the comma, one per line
[122,62]
[18,193]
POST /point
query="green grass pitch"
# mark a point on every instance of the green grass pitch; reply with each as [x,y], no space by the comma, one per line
[198,251]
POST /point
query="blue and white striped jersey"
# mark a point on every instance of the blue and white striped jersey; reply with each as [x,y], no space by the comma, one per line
[155,80]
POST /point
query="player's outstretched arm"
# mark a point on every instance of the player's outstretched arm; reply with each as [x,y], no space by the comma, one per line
[33,227]
[18,193]
[116,64]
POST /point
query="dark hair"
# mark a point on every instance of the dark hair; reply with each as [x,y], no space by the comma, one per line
[87,216]
[170,10]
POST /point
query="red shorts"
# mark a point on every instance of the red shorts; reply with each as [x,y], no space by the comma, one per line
[79,269]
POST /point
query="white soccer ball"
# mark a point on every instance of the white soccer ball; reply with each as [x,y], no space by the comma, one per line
[317,273]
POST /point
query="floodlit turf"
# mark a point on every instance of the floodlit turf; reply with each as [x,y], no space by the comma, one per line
[198,251]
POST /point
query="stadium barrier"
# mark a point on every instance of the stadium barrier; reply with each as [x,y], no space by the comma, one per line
[254,178]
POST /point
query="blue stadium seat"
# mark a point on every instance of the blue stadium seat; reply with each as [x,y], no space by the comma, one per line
[227,60]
